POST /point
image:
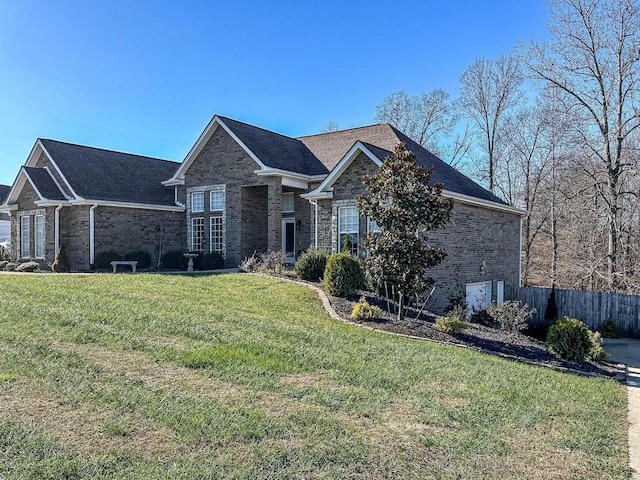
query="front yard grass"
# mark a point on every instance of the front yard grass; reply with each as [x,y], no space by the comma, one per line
[236,376]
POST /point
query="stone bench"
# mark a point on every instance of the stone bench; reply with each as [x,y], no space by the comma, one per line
[132,263]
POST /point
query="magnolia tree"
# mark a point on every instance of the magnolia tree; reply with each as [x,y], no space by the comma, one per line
[405,207]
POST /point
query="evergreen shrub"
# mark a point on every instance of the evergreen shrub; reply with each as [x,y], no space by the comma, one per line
[343,275]
[141,256]
[363,311]
[570,339]
[311,264]
[174,260]
[610,329]
[210,261]
[104,259]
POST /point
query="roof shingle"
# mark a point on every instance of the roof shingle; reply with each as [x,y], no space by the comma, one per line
[98,174]
[44,183]
[4,191]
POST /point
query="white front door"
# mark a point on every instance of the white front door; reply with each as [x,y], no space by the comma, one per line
[289,239]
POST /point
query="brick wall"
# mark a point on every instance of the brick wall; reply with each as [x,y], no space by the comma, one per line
[253,221]
[126,230]
[474,235]
[254,237]
[74,236]
[28,208]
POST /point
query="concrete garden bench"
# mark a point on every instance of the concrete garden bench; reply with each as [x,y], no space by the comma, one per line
[132,263]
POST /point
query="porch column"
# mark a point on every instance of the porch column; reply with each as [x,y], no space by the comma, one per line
[274,212]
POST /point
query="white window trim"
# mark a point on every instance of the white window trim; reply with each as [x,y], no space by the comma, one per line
[357,231]
[24,235]
[223,248]
[211,209]
[192,202]
[35,236]
[193,233]
[293,202]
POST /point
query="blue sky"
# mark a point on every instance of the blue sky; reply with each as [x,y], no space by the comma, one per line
[146,76]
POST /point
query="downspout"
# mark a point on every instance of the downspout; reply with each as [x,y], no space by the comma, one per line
[92,234]
[315,224]
[56,240]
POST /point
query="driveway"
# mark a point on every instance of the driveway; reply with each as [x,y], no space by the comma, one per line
[627,352]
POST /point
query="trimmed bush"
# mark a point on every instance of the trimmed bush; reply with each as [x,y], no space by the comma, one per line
[141,256]
[512,315]
[610,329]
[482,317]
[363,311]
[343,275]
[311,264]
[104,259]
[174,260]
[211,261]
[28,267]
[570,339]
[451,324]
[61,262]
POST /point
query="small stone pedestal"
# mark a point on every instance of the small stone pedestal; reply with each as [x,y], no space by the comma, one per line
[190,256]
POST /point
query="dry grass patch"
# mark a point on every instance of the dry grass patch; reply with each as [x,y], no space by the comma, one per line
[88,428]
[318,379]
[157,375]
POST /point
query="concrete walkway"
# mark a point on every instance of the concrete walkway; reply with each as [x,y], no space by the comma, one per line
[627,352]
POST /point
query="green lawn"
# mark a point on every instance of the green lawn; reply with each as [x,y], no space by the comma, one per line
[236,376]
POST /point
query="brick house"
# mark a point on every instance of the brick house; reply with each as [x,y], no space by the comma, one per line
[90,200]
[243,189]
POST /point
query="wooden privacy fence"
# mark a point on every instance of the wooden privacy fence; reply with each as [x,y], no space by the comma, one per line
[590,307]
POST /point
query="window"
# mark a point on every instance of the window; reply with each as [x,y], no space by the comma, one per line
[348,224]
[217,237]
[197,202]
[39,233]
[372,226]
[197,234]
[216,200]
[287,203]
[25,237]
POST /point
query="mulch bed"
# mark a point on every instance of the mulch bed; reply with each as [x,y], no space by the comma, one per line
[478,337]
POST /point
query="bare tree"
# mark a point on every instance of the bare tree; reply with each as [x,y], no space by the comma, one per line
[490,88]
[330,126]
[423,118]
[592,60]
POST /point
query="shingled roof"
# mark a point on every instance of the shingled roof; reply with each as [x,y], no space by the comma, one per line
[98,174]
[275,150]
[4,191]
[44,183]
[381,140]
